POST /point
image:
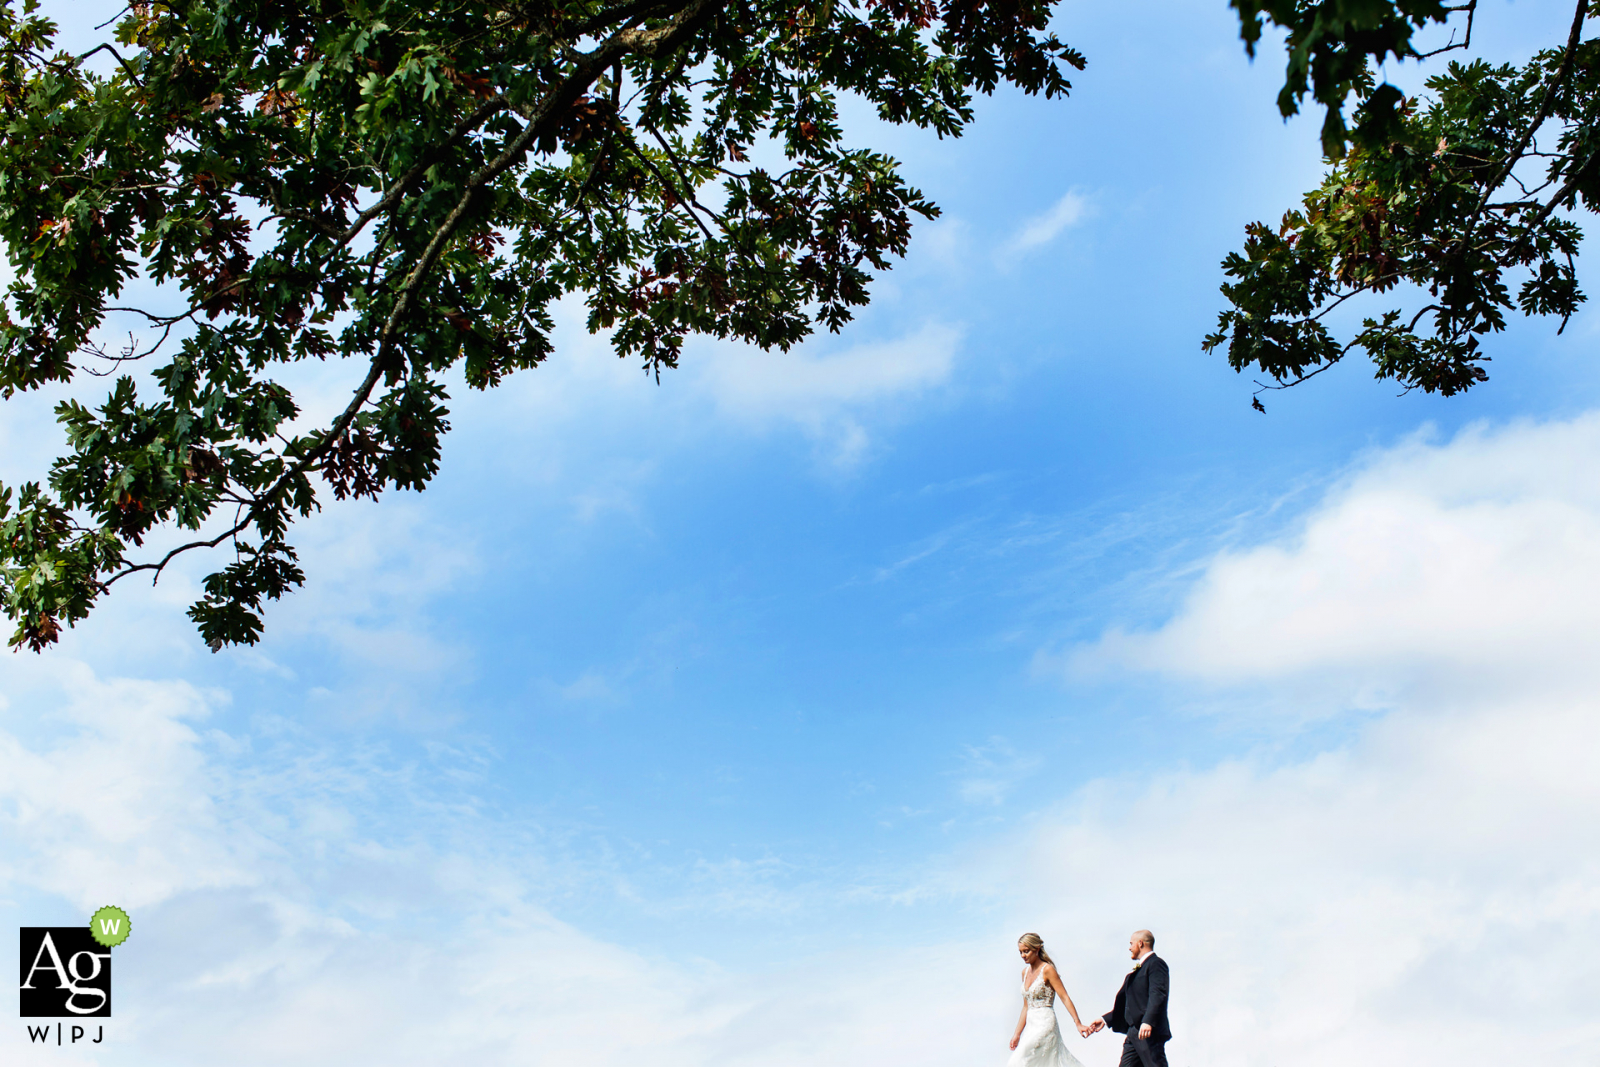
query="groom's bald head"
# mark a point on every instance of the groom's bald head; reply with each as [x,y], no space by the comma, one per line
[1146,937]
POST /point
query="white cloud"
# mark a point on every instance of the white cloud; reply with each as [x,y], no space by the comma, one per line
[116,805]
[828,394]
[993,770]
[1044,228]
[745,385]
[1425,891]
[943,244]
[591,685]
[372,571]
[273,921]
[1425,894]
[598,418]
[1421,891]
[1477,560]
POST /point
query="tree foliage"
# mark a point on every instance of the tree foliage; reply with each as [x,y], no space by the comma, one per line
[1454,206]
[408,185]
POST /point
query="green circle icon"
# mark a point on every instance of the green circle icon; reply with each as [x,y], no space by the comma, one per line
[110,926]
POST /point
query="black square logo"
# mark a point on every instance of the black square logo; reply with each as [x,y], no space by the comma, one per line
[65,973]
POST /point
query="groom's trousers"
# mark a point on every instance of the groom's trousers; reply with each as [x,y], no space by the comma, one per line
[1136,1053]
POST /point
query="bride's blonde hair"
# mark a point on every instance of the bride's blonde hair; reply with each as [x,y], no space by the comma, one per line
[1035,942]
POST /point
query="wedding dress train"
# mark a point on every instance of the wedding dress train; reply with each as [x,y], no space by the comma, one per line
[1041,1044]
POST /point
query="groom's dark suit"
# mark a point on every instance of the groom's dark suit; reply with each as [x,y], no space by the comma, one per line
[1143,999]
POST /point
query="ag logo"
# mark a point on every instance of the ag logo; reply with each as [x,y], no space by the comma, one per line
[66,970]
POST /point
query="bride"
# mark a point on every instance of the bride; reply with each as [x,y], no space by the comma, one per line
[1037,1042]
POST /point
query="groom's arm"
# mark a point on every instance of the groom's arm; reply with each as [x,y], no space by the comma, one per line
[1157,1003]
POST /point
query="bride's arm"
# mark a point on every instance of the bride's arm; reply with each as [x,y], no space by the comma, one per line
[1053,976]
[1021,1022]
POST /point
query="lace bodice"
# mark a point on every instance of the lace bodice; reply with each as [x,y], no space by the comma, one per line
[1038,995]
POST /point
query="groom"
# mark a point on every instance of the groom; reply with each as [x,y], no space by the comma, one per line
[1140,1010]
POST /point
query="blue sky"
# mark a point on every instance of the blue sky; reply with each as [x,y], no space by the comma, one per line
[829,673]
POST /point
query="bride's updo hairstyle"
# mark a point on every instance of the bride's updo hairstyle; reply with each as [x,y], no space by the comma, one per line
[1035,942]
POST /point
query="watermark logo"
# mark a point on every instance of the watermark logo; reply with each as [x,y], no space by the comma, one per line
[66,972]
[110,926]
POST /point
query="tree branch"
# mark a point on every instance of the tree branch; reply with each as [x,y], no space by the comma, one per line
[621,13]
[1471,9]
[688,186]
[540,119]
[1564,192]
[1545,104]
[665,181]
[161,565]
[398,190]
[125,64]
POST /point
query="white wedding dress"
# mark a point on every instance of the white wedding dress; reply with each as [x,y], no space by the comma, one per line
[1041,1044]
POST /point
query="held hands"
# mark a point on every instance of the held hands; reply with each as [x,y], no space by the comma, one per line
[1095,1027]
